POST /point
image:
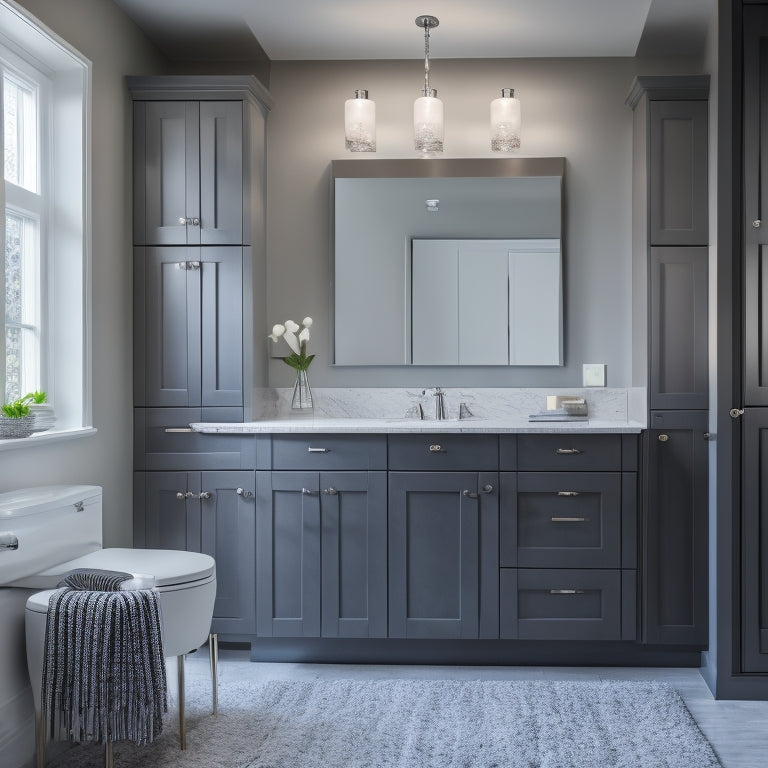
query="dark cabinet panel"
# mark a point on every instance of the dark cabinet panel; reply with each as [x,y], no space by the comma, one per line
[354,554]
[188,159]
[288,554]
[560,604]
[568,452]
[228,535]
[675,566]
[171,510]
[189,334]
[678,328]
[561,519]
[321,554]
[754,541]
[437,522]
[678,179]
[329,452]
[444,452]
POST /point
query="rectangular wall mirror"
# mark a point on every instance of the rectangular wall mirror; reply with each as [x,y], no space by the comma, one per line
[448,262]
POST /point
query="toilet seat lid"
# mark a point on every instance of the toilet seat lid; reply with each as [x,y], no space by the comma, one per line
[168,566]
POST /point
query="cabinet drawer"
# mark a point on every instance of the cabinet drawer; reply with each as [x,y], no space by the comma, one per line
[565,452]
[451,452]
[561,519]
[560,604]
[162,440]
[329,452]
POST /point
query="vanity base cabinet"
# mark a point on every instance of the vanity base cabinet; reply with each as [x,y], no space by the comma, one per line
[209,512]
[443,554]
[675,529]
[321,554]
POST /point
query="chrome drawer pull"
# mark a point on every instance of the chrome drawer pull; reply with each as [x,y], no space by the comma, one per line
[179,429]
[8,540]
[487,488]
[205,495]
[469,494]
[568,493]
[331,491]
[308,491]
[569,519]
[310,449]
[245,494]
[436,448]
[566,591]
[568,451]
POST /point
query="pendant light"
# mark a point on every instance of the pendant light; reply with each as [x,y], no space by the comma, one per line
[360,123]
[427,109]
[505,122]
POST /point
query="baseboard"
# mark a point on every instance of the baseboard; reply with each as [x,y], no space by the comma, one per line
[471,652]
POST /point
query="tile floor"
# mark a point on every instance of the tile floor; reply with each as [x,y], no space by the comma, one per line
[738,730]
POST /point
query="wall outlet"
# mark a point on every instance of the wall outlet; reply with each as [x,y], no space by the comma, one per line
[593,375]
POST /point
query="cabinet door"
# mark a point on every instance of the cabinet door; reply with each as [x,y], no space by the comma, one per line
[678,320]
[678,177]
[221,326]
[287,554]
[754,542]
[228,535]
[221,172]
[354,554]
[675,529]
[433,555]
[171,511]
[755,223]
[170,168]
[171,341]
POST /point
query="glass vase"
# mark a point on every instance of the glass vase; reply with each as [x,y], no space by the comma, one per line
[302,392]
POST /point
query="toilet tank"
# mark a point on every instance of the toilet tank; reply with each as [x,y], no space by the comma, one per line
[46,525]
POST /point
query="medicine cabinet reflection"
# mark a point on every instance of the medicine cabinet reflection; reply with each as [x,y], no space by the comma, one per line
[448,262]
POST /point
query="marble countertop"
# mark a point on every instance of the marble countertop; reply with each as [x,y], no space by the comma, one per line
[311,424]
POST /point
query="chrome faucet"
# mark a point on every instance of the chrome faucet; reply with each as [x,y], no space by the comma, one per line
[439,396]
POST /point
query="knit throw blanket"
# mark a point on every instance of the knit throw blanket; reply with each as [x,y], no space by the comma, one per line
[104,668]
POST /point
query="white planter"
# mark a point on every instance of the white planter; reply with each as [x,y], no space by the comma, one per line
[44,416]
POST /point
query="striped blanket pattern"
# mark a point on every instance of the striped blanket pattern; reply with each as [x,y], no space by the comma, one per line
[104,674]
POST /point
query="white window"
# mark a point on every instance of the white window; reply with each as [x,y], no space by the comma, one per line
[45,261]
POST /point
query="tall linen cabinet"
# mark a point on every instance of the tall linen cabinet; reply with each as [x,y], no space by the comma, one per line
[199,283]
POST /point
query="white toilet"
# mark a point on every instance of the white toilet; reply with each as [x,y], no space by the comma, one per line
[58,528]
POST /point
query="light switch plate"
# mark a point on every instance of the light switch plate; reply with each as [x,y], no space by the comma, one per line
[593,375]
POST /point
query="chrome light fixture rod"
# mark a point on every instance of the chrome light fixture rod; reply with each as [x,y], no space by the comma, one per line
[427,23]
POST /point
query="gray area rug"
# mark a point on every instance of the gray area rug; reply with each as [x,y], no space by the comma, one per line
[425,724]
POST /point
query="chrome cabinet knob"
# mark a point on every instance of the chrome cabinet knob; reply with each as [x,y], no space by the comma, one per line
[331,491]
[756,223]
[663,438]
[205,495]
[245,494]
[180,495]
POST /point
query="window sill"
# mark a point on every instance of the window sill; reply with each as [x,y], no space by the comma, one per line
[47,437]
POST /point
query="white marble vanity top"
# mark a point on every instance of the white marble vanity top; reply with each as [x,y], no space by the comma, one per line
[304,424]
[383,410]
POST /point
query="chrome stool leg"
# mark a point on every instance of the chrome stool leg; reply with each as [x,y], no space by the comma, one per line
[40,739]
[182,724]
[213,654]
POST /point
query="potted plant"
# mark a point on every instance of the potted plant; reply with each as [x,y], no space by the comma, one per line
[41,409]
[299,360]
[16,420]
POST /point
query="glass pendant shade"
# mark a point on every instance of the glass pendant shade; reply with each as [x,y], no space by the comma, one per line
[360,123]
[428,123]
[505,122]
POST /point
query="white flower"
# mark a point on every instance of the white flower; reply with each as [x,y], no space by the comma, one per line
[291,326]
[304,335]
[277,331]
[291,340]
[307,322]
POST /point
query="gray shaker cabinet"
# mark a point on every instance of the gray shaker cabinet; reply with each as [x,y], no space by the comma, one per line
[204,512]
[321,554]
[443,554]
[675,524]
[188,326]
[188,178]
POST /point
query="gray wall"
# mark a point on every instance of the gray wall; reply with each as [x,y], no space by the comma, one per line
[101,32]
[571,107]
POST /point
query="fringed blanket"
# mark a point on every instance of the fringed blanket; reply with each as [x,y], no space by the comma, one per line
[104,668]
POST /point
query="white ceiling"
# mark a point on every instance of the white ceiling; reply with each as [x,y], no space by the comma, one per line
[385,29]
